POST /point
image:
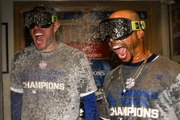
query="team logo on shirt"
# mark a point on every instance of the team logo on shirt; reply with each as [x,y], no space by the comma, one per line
[43,64]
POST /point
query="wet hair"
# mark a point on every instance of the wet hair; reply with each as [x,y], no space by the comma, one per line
[45,8]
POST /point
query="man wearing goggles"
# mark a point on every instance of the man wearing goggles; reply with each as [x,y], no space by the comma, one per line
[116,30]
[43,24]
[50,78]
[145,85]
[41,18]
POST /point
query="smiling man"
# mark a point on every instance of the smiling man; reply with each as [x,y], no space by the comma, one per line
[49,78]
[145,86]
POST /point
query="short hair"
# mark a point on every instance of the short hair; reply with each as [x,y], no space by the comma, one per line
[45,8]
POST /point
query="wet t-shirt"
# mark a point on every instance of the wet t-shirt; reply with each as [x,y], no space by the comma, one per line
[155,94]
[52,83]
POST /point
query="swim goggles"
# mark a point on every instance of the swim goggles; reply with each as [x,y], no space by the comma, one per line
[41,19]
[119,28]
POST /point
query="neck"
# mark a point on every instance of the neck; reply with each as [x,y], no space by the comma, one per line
[141,55]
[50,48]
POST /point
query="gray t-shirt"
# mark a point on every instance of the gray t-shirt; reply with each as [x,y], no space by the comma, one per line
[52,83]
[154,96]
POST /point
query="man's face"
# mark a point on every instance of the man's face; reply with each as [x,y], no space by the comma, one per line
[123,31]
[121,35]
[43,26]
[124,48]
[44,38]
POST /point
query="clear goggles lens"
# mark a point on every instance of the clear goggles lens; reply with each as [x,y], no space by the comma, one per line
[119,28]
[40,19]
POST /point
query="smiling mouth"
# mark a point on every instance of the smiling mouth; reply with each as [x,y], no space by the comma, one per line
[117,47]
[38,38]
[38,34]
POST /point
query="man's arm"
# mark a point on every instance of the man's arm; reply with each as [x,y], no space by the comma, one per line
[16,105]
[90,107]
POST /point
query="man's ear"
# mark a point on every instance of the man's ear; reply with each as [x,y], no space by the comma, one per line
[56,26]
[140,34]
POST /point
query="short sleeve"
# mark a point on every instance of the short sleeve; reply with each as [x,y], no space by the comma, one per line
[16,85]
[169,101]
[104,108]
[104,105]
[86,82]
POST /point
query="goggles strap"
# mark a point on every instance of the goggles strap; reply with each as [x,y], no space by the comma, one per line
[54,19]
[138,25]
